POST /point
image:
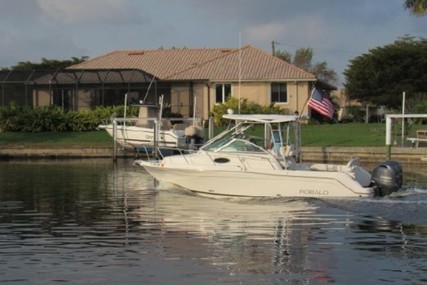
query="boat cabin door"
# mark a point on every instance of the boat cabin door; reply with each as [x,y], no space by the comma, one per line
[280,137]
[276,140]
[284,140]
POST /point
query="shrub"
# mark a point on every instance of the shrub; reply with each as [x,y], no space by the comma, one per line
[355,114]
[14,118]
[9,117]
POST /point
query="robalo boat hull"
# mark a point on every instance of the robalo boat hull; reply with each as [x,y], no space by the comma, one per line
[280,183]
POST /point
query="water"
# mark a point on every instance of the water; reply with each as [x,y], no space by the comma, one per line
[95,222]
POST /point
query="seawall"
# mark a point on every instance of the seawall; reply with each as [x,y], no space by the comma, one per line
[9,152]
[367,155]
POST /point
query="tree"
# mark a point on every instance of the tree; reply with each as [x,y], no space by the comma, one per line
[380,76]
[47,64]
[283,55]
[416,7]
[303,58]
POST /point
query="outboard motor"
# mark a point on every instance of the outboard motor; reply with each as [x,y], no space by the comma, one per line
[387,177]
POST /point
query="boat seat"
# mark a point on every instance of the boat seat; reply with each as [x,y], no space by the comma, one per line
[287,151]
[290,151]
[353,164]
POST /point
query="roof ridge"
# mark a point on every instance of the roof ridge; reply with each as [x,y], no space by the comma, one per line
[290,64]
[147,50]
[172,49]
[232,51]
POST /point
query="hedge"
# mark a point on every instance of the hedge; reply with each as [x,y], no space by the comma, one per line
[14,118]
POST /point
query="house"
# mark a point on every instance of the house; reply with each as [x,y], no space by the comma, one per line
[190,80]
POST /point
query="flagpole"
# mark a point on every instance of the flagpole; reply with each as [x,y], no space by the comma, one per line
[306,101]
[403,119]
[240,69]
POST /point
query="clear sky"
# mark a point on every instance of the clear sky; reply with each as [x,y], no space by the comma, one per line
[337,30]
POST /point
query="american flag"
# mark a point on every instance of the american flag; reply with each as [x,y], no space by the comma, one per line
[321,104]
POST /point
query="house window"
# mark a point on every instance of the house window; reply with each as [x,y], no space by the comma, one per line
[222,92]
[279,92]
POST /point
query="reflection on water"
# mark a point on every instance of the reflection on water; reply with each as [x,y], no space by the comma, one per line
[92,221]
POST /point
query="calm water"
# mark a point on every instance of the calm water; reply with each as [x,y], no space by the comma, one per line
[95,222]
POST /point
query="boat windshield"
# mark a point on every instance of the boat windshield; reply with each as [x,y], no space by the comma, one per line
[234,140]
[257,137]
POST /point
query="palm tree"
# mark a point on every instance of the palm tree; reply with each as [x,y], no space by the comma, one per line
[416,7]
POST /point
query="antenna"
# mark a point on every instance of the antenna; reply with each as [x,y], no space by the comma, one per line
[273,47]
[240,68]
[148,89]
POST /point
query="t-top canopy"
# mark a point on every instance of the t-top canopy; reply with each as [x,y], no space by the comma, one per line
[261,118]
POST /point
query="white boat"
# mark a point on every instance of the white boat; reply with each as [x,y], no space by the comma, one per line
[237,163]
[150,129]
[136,135]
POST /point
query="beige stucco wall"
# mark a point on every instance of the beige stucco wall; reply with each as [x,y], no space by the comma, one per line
[41,98]
[298,94]
[200,93]
[183,96]
[259,92]
[180,98]
[253,91]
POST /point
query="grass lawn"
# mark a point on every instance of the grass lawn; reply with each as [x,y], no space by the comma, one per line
[95,138]
[344,135]
[312,135]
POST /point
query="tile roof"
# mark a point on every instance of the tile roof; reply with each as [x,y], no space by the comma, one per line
[248,63]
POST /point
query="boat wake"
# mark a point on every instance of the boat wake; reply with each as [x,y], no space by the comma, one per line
[407,206]
[412,192]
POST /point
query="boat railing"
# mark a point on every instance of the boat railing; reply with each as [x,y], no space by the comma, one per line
[164,123]
[161,152]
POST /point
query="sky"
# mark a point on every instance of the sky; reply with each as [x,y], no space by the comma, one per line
[336,30]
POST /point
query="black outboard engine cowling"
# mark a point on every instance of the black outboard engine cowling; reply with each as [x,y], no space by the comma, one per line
[387,177]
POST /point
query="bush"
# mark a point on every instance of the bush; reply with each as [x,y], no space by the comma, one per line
[354,114]
[417,104]
[16,118]
[9,117]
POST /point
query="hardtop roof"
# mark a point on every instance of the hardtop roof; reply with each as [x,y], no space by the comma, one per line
[261,118]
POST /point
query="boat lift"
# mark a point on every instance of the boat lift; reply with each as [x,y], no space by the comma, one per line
[153,147]
[389,121]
